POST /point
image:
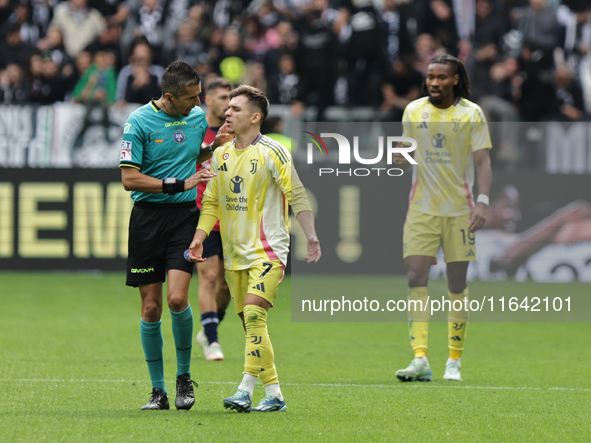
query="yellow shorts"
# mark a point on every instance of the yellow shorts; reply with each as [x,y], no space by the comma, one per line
[262,279]
[424,233]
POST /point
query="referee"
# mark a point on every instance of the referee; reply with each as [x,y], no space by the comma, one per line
[162,144]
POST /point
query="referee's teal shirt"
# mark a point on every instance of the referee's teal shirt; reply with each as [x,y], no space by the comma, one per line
[161,146]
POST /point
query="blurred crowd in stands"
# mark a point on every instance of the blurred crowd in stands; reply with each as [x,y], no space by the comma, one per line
[528,60]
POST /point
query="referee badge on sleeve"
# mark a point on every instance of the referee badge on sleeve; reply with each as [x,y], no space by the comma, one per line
[125,150]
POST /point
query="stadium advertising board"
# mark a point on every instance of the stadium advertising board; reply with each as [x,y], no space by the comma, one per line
[54,219]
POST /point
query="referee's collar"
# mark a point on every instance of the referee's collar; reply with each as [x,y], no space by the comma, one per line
[154,105]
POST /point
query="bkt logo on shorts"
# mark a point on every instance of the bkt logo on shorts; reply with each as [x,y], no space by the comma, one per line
[345,154]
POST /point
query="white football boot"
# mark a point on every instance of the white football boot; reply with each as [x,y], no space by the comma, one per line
[452,370]
[418,370]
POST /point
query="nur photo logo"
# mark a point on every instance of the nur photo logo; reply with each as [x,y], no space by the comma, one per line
[393,145]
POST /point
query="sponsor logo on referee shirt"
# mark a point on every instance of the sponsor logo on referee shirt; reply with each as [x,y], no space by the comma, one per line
[168,125]
[125,150]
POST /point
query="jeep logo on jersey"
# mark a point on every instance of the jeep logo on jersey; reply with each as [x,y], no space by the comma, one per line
[438,140]
[178,136]
[236,184]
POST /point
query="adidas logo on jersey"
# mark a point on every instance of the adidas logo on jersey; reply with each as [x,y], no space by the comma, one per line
[470,253]
[423,125]
[259,287]
[255,353]
[223,168]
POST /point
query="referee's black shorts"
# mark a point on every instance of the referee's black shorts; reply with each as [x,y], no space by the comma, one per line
[159,234]
[213,245]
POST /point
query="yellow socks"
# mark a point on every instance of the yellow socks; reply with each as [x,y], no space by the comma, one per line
[257,339]
[458,322]
[418,320]
[268,372]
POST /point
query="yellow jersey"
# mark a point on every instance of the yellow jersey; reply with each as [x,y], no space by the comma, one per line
[250,196]
[443,178]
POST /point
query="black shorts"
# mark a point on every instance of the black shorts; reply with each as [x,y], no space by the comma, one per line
[213,245]
[159,234]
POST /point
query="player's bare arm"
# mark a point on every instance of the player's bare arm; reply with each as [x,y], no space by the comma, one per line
[134,180]
[306,221]
[484,176]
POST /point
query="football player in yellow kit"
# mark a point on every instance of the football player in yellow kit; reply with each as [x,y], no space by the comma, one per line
[255,183]
[452,135]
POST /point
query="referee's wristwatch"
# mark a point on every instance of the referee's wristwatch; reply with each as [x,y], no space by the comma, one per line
[211,148]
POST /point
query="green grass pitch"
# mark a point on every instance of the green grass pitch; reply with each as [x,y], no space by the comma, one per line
[72,369]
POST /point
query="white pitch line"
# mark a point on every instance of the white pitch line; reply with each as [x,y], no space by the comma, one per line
[313,385]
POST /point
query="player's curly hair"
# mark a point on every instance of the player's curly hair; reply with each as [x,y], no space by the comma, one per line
[178,76]
[255,97]
[462,89]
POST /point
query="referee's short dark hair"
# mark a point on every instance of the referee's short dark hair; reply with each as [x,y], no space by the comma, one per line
[178,76]
[256,98]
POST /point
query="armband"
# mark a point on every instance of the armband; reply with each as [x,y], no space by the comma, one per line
[483,198]
[171,185]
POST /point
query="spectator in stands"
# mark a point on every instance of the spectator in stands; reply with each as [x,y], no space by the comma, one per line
[317,62]
[259,40]
[48,87]
[401,87]
[568,104]
[148,22]
[398,38]
[283,88]
[109,41]
[575,51]
[539,26]
[22,15]
[14,50]
[141,56]
[14,87]
[255,75]
[186,46]
[287,44]
[438,20]
[230,60]
[79,24]
[489,26]
[96,88]
[5,10]
[425,49]
[478,66]
[98,84]
[54,46]
[115,12]
[72,74]
[366,53]
[142,86]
